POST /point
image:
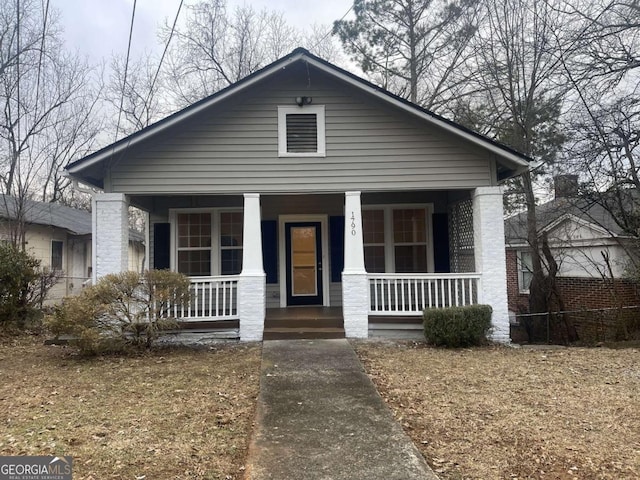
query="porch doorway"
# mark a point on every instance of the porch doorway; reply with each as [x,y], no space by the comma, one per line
[303,245]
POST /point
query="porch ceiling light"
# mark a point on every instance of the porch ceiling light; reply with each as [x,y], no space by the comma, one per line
[300,101]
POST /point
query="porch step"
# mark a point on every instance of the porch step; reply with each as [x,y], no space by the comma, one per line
[276,333]
[309,323]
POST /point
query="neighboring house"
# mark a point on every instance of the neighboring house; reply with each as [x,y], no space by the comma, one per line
[60,237]
[591,251]
[304,185]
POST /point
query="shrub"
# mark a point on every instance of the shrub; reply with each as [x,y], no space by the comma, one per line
[121,310]
[457,326]
[23,286]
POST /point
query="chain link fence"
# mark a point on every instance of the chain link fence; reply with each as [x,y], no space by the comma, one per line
[589,326]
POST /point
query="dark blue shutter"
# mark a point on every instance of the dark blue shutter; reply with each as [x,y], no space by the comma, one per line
[161,246]
[336,237]
[441,242]
[270,249]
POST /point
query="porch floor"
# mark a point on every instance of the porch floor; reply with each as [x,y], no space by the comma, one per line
[303,322]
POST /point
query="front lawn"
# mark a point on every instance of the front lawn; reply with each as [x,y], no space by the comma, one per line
[501,413]
[166,414]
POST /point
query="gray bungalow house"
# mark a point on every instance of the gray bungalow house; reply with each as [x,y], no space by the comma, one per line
[304,188]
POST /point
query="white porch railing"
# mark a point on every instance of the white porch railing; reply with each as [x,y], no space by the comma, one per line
[410,294]
[212,298]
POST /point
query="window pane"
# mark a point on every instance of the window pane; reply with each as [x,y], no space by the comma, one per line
[194,262]
[194,230]
[411,258]
[56,255]
[373,226]
[231,229]
[231,261]
[409,225]
[374,259]
[302,133]
[526,268]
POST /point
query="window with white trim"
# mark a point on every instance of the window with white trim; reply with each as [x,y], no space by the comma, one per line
[231,243]
[396,239]
[301,131]
[410,240]
[208,242]
[525,271]
[194,243]
[57,247]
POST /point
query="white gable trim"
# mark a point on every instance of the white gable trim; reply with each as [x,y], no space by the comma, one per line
[579,221]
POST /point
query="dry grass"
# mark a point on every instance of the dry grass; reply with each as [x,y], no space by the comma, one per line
[506,413]
[168,414]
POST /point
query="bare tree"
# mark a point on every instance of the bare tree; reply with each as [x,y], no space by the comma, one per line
[519,102]
[142,96]
[47,107]
[602,66]
[215,48]
[320,41]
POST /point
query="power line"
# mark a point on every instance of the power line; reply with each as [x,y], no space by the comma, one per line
[166,47]
[331,30]
[126,67]
[44,33]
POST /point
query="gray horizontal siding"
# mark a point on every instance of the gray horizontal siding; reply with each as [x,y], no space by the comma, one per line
[234,149]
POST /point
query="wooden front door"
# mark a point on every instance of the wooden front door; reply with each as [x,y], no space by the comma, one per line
[304,263]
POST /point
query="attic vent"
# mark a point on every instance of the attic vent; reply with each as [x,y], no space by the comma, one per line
[302,133]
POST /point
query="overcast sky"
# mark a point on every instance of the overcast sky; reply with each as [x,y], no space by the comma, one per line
[98,28]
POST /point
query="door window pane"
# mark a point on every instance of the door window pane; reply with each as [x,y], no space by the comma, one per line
[303,261]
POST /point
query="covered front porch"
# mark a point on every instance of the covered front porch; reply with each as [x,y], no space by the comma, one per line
[379,259]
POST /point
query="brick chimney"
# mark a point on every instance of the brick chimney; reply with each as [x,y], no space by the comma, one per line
[565,186]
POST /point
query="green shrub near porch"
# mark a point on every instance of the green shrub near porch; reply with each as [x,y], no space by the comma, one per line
[122,310]
[457,326]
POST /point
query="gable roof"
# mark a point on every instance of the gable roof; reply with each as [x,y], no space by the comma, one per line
[513,160]
[73,220]
[551,214]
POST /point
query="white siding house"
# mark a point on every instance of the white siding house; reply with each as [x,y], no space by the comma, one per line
[60,238]
[304,185]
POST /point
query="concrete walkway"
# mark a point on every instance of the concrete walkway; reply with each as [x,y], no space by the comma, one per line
[320,417]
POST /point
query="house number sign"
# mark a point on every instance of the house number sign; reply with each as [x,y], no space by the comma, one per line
[353,224]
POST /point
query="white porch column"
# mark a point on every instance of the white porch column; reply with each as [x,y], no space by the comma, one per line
[489,250]
[110,239]
[355,287]
[252,284]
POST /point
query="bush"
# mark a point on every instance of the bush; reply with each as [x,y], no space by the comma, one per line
[121,310]
[457,326]
[23,286]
